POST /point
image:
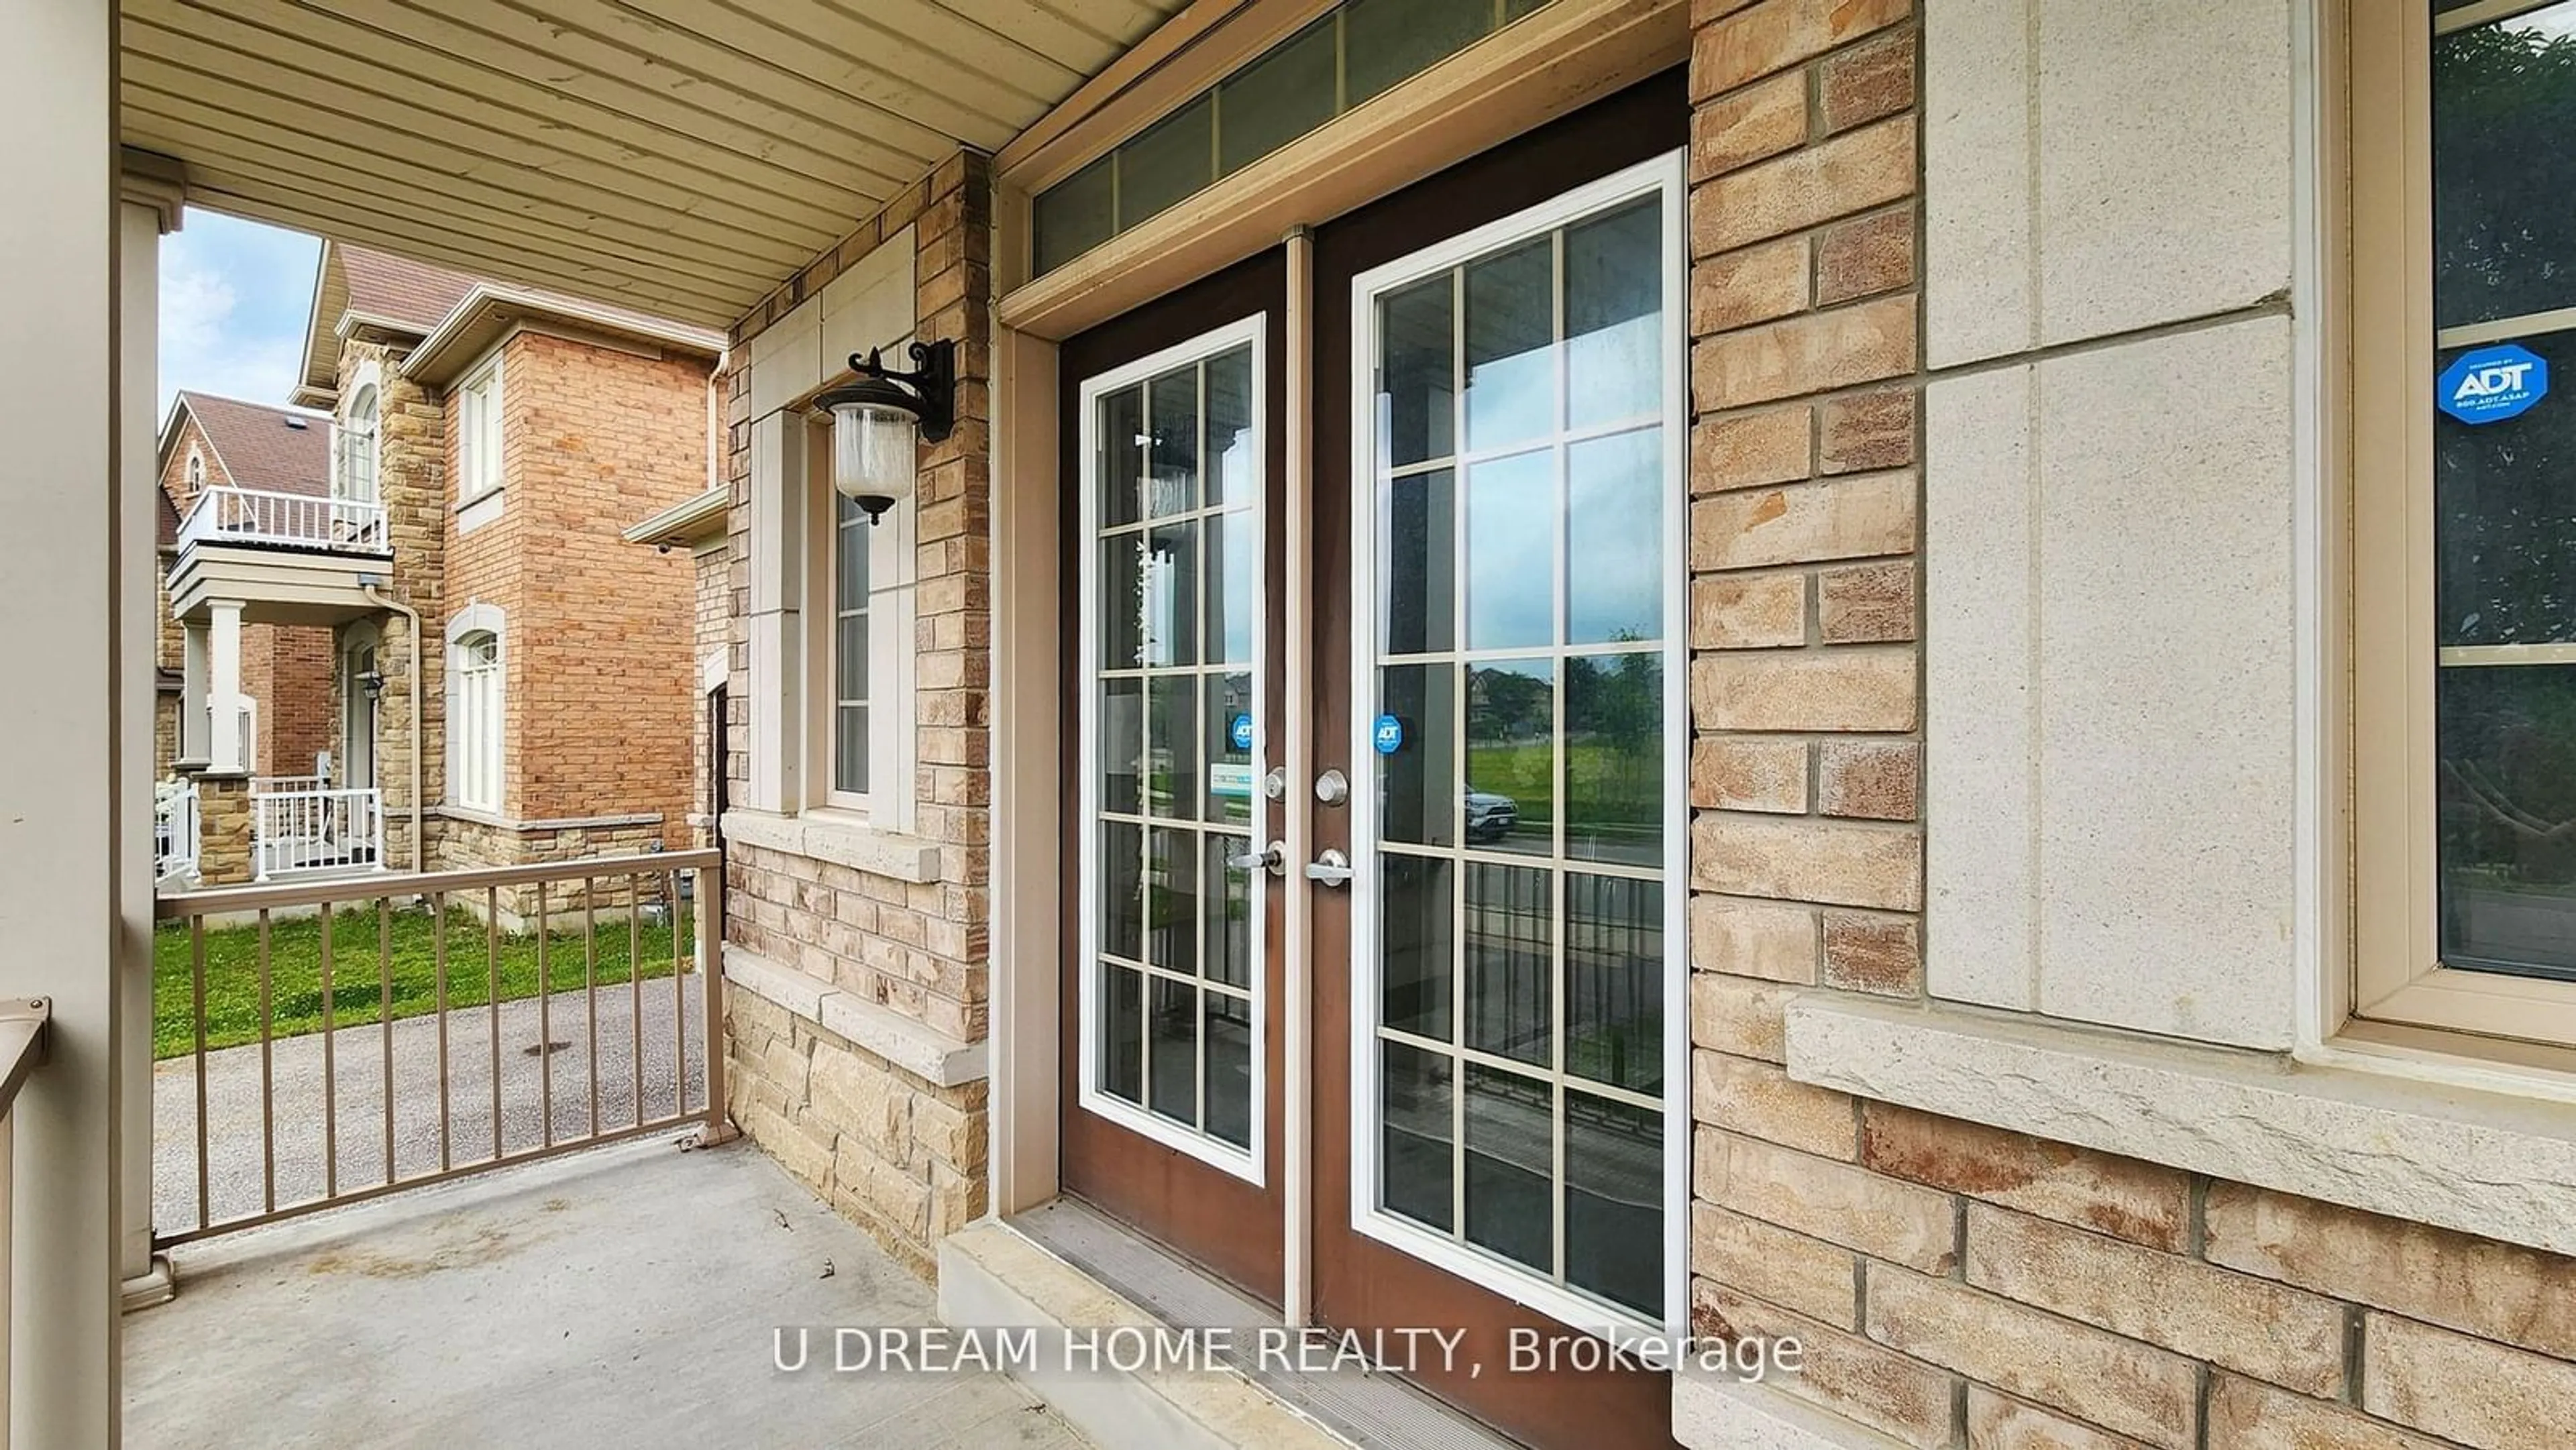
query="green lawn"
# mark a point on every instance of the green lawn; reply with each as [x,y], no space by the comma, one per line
[295,971]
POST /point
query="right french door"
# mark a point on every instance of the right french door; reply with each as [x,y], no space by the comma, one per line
[1499,501]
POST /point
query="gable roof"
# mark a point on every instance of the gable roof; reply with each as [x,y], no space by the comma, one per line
[284,450]
[395,294]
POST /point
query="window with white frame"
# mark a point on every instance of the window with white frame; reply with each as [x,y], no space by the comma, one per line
[356,480]
[478,433]
[2463,602]
[476,711]
[859,652]
[196,470]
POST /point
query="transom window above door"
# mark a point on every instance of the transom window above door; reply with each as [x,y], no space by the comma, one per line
[1173,815]
[1518,514]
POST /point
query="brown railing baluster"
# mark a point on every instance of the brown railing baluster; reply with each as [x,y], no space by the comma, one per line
[710,935]
[438,953]
[197,964]
[545,1030]
[635,987]
[330,1074]
[492,969]
[590,985]
[267,1078]
[385,1016]
[679,1003]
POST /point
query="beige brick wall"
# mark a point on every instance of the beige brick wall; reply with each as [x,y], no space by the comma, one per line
[1955,1284]
[600,648]
[917,949]
[712,628]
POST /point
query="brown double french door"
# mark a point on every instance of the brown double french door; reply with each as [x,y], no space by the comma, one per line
[1493,963]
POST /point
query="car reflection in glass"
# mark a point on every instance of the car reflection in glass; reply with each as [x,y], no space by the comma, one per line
[1490,817]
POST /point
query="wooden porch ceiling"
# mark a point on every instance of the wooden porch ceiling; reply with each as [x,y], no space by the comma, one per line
[677,156]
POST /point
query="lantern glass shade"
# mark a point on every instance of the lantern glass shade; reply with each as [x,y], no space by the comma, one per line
[872,450]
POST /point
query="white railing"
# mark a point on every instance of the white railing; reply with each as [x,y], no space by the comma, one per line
[288,784]
[225,515]
[316,830]
[174,830]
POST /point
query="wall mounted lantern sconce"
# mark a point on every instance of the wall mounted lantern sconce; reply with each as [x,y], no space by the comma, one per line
[876,420]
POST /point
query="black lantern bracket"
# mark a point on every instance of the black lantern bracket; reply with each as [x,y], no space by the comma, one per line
[928,391]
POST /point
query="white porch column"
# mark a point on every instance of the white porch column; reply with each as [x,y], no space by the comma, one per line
[195,736]
[226,704]
[150,208]
[61,825]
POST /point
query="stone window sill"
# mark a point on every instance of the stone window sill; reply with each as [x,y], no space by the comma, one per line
[2494,1164]
[930,1055]
[840,840]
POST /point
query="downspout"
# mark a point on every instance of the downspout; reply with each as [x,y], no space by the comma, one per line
[419,727]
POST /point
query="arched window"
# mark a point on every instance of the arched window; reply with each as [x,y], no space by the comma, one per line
[358,448]
[476,689]
[196,470]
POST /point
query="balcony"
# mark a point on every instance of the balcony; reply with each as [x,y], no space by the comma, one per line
[286,558]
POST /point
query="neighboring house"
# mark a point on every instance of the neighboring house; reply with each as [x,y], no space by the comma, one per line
[257,448]
[500,676]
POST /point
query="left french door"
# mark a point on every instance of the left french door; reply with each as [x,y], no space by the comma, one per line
[1172,1072]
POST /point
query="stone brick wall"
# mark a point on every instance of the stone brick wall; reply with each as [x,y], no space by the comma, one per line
[412,479]
[897,1155]
[821,1104]
[1954,1284]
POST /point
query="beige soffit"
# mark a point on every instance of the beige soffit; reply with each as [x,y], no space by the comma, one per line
[671,155]
[1553,62]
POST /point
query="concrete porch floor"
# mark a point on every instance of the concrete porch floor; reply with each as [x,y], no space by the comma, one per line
[624,1297]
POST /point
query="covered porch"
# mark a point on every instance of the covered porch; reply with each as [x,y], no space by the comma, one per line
[627,1296]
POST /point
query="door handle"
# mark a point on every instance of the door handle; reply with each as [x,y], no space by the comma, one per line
[1331,868]
[1270,859]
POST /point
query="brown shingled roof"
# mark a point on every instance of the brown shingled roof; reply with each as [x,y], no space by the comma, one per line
[397,289]
[278,449]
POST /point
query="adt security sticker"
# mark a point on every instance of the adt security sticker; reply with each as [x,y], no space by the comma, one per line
[2491,384]
[1240,732]
[1387,735]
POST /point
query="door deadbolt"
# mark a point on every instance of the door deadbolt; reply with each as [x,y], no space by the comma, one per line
[1332,788]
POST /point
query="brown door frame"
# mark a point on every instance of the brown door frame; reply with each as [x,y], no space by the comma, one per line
[1224,1223]
[1360,1283]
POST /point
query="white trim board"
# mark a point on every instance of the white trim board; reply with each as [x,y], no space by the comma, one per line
[1662,177]
[1250,1163]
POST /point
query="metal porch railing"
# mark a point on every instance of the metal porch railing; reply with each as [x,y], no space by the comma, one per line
[174,830]
[329,1042]
[227,515]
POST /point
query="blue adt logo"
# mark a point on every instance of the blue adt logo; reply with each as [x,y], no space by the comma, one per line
[1387,735]
[2491,384]
[1241,732]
